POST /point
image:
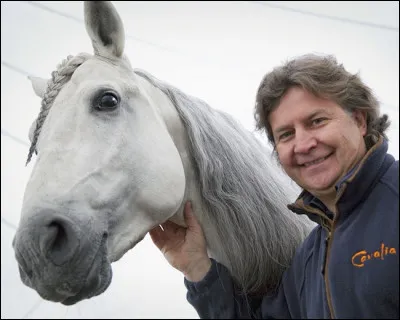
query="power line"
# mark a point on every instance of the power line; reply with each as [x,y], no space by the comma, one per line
[15,68]
[197,59]
[14,138]
[71,17]
[33,308]
[8,224]
[202,58]
[325,16]
[263,3]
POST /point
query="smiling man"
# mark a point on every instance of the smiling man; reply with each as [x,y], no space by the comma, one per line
[329,137]
[317,141]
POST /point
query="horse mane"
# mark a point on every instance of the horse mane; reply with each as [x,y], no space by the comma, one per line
[242,191]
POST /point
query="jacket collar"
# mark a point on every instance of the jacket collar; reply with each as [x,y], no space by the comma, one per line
[351,189]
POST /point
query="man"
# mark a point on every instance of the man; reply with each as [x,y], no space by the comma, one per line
[327,134]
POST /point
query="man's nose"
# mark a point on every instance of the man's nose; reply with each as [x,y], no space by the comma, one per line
[304,141]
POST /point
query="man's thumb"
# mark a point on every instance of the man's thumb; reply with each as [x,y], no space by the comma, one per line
[190,219]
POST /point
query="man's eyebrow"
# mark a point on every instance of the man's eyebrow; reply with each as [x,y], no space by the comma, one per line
[317,112]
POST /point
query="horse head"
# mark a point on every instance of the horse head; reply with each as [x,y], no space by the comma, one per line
[106,172]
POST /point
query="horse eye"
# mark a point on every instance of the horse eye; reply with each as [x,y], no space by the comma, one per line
[108,101]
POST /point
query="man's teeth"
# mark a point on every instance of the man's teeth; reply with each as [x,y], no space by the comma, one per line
[307,164]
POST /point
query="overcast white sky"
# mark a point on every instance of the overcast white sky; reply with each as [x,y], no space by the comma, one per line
[218,51]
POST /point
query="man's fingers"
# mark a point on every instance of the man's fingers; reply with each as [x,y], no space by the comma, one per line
[158,237]
[170,227]
[190,219]
[161,234]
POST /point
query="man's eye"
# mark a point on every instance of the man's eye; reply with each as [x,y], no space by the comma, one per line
[285,135]
[318,121]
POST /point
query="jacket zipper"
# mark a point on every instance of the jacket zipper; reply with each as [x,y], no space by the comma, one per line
[328,241]
[325,271]
[328,249]
[328,226]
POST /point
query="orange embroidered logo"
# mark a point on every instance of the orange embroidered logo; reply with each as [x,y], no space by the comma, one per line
[359,258]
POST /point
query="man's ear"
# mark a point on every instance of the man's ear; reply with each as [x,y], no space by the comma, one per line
[360,117]
[39,85]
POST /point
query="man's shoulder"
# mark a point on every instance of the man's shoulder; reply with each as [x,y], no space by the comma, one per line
[391,178]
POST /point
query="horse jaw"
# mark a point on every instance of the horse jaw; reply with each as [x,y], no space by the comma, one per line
[179,136]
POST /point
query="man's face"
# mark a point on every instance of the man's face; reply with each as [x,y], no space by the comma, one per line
[316,140]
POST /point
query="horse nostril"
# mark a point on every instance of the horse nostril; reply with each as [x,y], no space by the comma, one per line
[58,236]
[59,241]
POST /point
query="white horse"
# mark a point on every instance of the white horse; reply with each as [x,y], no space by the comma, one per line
[119,152]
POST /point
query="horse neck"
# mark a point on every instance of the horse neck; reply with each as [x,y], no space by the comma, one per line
[180,138]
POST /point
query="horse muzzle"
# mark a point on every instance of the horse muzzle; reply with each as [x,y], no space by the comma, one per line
[62,256]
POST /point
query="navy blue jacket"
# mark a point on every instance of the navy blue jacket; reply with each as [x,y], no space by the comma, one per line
[348,267]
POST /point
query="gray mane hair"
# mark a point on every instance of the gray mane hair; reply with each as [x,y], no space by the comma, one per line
[240,188]
[59,77]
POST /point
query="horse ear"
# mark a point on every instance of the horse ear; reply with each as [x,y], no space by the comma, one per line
[105,28]
[32,130]
[39,85]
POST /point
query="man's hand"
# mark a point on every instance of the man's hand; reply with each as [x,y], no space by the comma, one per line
[184,248]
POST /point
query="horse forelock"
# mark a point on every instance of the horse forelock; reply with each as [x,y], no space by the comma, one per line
[59,78]
[239,185]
